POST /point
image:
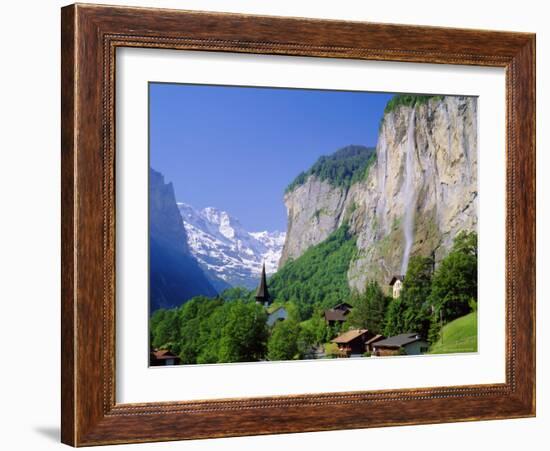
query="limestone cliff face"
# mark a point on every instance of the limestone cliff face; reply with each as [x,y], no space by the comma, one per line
[420,192]
[314,212]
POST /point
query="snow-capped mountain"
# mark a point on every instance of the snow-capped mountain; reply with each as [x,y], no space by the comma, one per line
[229,254]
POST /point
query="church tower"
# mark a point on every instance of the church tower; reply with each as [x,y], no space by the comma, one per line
[262,295]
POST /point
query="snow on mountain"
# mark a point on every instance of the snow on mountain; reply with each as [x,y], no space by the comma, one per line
[225,250]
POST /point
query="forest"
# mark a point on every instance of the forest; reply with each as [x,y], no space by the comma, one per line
[408,100]
[232,327]
[342,168]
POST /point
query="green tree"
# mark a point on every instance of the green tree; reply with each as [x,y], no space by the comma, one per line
[306,340]
[292,311]
[164,328]
[318,326]
[211,335]
[454,286]
[408,100]
[358,317]
[193,320]
[342,168]
[235,294]
[332,351]
[244,335]
[395,318]
[205,330]
[415,295]
[283,343]
[369,309]
[318,278]
[378,303]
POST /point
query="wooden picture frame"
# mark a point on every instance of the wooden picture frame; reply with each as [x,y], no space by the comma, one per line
[90,36]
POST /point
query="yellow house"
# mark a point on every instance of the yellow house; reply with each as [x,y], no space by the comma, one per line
[397,285]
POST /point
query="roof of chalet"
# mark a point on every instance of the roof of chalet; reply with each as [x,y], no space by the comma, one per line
[349,336]
[342,306]
[395,279]
[338,312]
[398,340]
[335,315]
[375,339]
[164,354]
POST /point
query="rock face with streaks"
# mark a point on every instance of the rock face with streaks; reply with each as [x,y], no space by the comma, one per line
[314,211]
[420,191]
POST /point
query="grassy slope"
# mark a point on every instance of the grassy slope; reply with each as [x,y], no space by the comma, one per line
[459,335]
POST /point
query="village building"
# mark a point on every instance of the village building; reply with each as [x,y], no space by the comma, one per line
[409,344]
[279,314]
[396,283]
[163,357]
[263,298]
[337,314]
[353,342]
[369,345]
[262,293]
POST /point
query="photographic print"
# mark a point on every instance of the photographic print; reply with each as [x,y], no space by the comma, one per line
[284,204]
[291,224]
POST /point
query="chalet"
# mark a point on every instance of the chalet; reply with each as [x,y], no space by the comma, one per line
[396,283]
[369,345]
[337,314]
[353,342]
[279,314]
[163,357]
[409,344]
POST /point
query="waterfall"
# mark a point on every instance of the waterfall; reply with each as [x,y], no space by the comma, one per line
[409,195]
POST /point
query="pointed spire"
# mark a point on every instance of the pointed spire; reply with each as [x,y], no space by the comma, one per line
[262,294]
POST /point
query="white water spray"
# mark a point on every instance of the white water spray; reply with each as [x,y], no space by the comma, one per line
[409,195]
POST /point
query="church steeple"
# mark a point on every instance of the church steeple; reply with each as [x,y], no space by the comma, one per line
[262,295]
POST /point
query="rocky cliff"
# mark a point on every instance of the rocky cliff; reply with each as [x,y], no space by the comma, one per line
[420,191]
[314,211]
[174,274]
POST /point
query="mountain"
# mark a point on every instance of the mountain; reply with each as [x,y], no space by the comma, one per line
[174,275]
[410,197]
[229,254]
[315,199]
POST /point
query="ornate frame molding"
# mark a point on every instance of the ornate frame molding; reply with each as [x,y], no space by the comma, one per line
[90,36]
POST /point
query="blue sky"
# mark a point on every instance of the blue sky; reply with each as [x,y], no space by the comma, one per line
[237,148]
